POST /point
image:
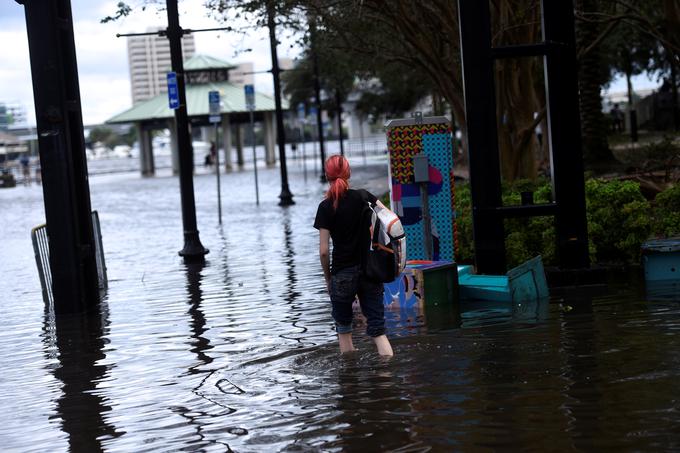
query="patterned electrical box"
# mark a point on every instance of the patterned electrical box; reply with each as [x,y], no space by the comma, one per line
[431,136]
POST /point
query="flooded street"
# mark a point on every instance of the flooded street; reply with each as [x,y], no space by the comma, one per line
[240,354]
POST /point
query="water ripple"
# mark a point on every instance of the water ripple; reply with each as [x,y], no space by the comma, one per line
[240,354]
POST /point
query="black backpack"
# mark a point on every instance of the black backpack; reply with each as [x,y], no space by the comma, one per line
[385,257]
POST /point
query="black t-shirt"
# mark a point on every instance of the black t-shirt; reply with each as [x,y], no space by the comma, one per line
[345,226]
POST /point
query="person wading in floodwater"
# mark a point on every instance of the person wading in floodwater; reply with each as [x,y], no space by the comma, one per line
[339,218]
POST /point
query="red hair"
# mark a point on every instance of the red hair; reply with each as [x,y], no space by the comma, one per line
[337,173]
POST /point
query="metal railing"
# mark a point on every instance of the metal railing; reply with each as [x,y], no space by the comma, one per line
[41,249]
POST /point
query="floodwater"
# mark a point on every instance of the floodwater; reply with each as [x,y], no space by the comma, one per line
[240,354]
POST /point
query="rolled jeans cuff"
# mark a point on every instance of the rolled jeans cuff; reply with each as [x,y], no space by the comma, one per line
[339,328]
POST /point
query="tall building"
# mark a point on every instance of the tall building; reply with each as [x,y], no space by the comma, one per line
[242,74]
[149,61]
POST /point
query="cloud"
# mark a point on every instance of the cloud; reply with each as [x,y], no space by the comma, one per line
[103,96]
[102,58]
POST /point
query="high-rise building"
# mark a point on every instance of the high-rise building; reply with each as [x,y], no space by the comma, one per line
[242,74]
[149,61]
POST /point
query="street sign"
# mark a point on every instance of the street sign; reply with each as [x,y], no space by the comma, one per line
[312,111]
[250,97]
[173,92]
[214,106]
[301,112]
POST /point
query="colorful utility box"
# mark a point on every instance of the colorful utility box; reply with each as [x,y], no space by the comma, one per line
[406,139]
[430,279]
[423,284]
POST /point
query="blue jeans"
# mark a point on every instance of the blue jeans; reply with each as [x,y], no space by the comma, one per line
[345,285]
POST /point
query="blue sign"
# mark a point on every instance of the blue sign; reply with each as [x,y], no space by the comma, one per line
[173,91]
[250,96]
[312,111]
[301,111]
[214,106]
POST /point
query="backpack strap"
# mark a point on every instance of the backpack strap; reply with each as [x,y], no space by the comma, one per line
[364,197]
[366,202]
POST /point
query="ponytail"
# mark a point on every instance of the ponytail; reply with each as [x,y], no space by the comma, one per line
[337,173]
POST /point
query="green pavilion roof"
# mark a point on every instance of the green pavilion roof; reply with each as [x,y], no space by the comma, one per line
[232,100]
[205,62]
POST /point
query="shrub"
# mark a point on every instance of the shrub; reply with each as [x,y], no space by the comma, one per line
[525,238]
[666,213]
[618,219]
[618,222]
[385,199]
[463,204]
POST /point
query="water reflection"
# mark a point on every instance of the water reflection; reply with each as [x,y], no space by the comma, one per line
[583,408]
[374,406]
[476,313]
[197,323]
[79,341]
[224,263]
[442,317]
[663,290]
[291,296]
[264,278]
[242,351]
[289,259]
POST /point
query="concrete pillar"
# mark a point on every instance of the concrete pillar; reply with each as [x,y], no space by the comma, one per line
[146,163]
[239,144]
[269,138]
[226,142]
[174,147]
[207,134]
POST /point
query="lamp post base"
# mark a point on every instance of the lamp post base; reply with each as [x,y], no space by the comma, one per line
[286,198]
[193,251]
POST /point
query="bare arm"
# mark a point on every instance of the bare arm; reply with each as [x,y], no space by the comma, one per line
[324,255]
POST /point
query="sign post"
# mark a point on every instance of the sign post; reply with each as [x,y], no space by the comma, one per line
[250,105]
[214,110]
[301,119]
[173,91]
[312,113]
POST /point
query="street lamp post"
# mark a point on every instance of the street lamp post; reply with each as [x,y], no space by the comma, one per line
[317,94]
[193,250]
[286,197]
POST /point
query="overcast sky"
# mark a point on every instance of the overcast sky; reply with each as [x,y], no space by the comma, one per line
[102,58]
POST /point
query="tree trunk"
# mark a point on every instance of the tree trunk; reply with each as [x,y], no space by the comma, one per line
[596,152]
[517,88]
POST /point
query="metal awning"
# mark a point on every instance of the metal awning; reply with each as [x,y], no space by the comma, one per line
[232,100]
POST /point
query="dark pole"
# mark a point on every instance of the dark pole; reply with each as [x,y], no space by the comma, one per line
[338,102]
[317,94]
[285,198]
[674,93]
[66,190]
[193,250]
[480,113]
[564,133]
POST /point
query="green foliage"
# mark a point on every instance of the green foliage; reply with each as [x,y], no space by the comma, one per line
[385,199]
[528,237]
[123,10]
[109,138]
[619,221]
[463,201]
[666,214]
